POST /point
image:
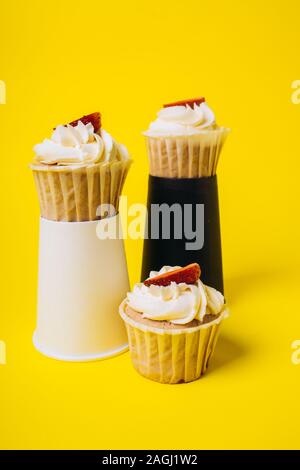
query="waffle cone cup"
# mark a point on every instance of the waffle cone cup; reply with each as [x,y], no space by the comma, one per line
[190,156]
[73,194]
[171,355]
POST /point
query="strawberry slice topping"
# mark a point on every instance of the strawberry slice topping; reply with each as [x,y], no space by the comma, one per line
[94,118]
[190,102]
[189,274]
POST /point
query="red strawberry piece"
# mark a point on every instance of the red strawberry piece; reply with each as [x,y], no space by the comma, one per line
[189,274]
[190,102]
[94,118]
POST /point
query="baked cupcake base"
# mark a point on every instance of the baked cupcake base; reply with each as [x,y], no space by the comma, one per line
[189,156]
[74,194]
[170,354]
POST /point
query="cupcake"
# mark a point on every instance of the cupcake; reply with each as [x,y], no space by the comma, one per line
[185,141]
[79,168]
[172,321]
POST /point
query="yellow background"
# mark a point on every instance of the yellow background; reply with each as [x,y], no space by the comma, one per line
[63,59]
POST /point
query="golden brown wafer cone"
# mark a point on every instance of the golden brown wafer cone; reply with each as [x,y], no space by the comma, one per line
[73,194]
[192,156]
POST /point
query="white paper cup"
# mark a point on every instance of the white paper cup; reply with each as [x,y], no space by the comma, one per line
[82,281]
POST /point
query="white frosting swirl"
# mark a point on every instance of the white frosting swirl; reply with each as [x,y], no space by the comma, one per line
[176,303]
[182,120]
[78,145]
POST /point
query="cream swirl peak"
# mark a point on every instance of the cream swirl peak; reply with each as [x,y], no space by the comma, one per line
[182,120]
[78,145]
[177,303]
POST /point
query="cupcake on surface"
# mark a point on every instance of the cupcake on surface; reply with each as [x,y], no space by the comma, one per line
[172,321]
[185,141]
[79,168]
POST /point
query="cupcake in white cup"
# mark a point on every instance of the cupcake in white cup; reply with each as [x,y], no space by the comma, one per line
[79,168]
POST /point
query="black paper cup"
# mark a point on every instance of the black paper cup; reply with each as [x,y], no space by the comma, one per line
[198,240]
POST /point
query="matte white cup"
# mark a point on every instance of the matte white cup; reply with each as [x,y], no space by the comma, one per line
[82,281]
